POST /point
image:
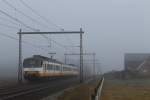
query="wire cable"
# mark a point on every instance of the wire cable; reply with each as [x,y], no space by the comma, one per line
[17,20]
[29,27]
[2,18]
[8,26]
[46,20]
[30,18]
[55,42]
[42,17]
[26,42]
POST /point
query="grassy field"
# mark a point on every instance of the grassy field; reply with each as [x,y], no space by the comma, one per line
[135,89]
[82,92]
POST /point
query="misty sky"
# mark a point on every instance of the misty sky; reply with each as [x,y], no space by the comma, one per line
[112,28]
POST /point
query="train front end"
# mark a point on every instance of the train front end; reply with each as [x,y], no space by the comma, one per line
[32,69]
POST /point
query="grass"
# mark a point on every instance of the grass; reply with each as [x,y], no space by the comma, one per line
[83,92]
[135,89]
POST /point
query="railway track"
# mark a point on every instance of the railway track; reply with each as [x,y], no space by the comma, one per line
[17,92]
[7,94]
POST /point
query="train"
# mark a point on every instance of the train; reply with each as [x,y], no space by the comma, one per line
[41,67]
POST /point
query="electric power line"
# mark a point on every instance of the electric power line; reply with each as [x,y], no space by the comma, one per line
[27,16]
[25,4]
[33,19]
[55,42]
[42,17]
[26,42]
[2,18]
[8,26]
[17,20]
[45,19]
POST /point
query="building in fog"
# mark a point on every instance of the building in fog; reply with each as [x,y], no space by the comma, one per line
[137,62]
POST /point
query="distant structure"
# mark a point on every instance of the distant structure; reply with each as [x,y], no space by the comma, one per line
[137,63]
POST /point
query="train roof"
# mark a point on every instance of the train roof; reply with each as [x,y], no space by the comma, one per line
[39,57]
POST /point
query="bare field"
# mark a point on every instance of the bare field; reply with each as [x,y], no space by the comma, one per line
[135,89]
[82,92]
[8,82]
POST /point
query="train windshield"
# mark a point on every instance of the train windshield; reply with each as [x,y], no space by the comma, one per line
[30,63]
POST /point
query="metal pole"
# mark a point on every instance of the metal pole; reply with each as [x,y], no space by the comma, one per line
[51,55]
[81,57]
[65,59]
[20,58]
[94,65]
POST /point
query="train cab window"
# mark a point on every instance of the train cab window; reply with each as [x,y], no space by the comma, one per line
[57,67]
[50,67]
[66,68]
[30,63]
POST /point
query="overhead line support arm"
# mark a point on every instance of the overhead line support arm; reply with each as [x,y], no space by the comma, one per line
[57,32]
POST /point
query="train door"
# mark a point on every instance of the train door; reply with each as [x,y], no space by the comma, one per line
[44,67]
[60,67]
[54,67]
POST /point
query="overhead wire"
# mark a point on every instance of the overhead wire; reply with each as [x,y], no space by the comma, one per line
[56,42]
[3,18]
[8,26]
[22,23]
[42,17]
[46,20]
[26,42]
[22,13]
[19,21]
[29,27]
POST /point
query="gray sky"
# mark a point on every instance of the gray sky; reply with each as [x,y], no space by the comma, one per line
[112,27]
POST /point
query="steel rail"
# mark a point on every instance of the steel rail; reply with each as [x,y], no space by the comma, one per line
[18,89]
[32,89]
[7,93]
[24,92]
[20,86]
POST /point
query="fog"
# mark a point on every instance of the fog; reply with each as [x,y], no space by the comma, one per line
[112,28]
